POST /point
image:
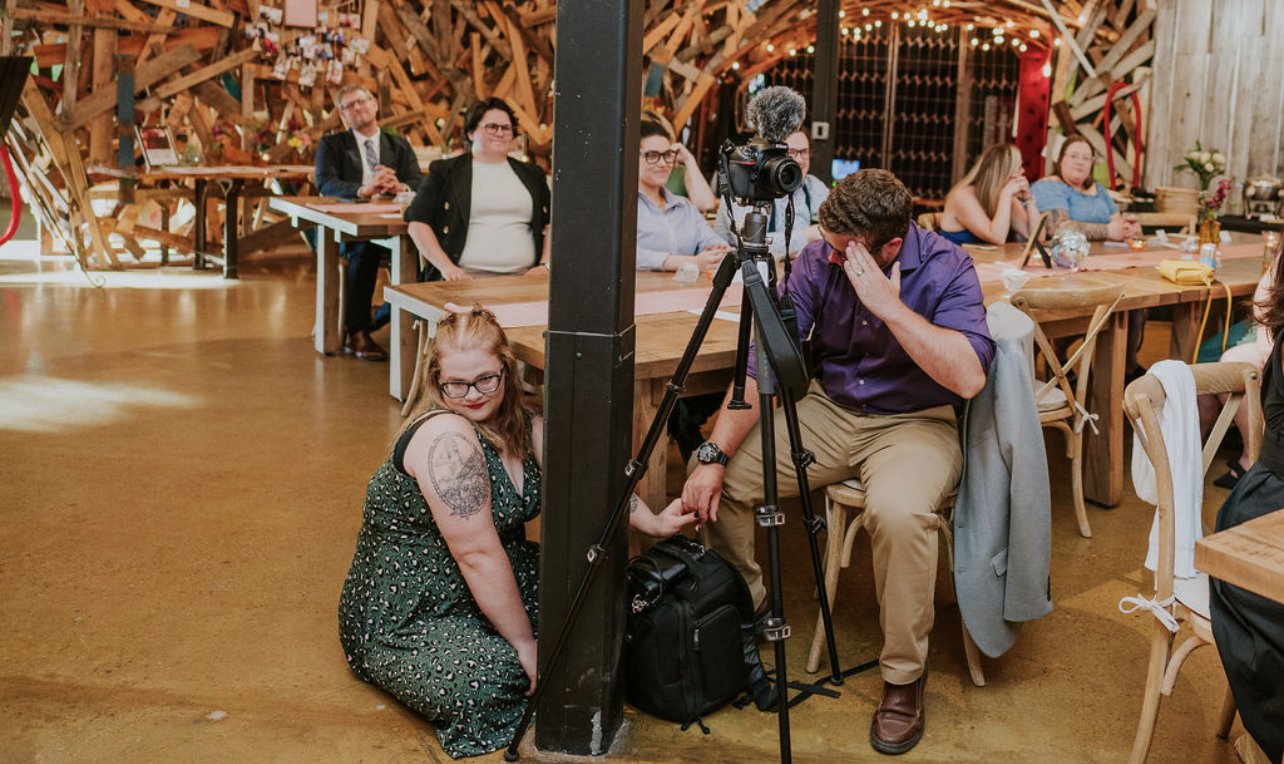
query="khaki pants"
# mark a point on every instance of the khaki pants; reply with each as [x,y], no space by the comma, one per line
[907,463]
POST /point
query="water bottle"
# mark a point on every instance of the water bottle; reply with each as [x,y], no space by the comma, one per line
[1208,255]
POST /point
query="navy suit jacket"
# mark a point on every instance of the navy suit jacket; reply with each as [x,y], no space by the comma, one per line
[339,163]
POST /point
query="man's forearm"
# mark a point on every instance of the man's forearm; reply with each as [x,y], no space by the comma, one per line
[945,354]
[734,424]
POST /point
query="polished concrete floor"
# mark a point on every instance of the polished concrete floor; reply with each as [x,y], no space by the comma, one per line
[181,480]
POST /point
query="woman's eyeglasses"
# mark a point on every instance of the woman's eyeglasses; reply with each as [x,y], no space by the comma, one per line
[798,154]
[654,157]
[494,128]
[485,385]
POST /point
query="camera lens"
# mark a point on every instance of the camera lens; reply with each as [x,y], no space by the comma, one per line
[785,175]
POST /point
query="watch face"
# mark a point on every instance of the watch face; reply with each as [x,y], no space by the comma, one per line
[708,453]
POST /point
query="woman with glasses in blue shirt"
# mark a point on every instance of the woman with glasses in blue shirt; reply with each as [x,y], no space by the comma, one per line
[671,230]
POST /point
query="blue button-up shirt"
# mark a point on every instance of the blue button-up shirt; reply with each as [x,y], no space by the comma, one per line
[854,355]
[678,229]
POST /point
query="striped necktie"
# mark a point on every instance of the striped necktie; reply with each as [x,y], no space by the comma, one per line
[372,156]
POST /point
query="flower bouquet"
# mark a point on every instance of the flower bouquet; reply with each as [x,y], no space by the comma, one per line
[1205,163]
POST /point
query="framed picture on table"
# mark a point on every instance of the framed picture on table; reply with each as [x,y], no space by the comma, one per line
[158,146]
[1033,243]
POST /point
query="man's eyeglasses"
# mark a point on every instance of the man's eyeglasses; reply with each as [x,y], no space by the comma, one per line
[354,103]
[797,154]
[654,157]
[485,385]
[494,128]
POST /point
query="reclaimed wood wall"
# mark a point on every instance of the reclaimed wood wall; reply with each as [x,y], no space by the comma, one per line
[1219,79]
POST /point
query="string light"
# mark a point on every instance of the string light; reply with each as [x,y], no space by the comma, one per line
[842,14]
[771,48]
[811,48]
[975,42]
[793,51]
[1047,70]
[910,23]
[735,65]
[895,16]
[985,46]
[1034,34]
[878,23]
[864,11]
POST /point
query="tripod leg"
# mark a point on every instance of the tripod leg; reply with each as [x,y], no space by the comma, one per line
[635,469]
[770,517]
[802,458]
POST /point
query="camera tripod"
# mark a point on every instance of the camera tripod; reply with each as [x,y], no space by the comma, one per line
[781,372]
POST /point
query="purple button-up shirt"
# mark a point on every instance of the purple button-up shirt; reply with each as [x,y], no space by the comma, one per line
[854,355]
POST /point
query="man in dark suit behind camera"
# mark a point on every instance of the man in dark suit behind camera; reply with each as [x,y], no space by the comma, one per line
[360,163]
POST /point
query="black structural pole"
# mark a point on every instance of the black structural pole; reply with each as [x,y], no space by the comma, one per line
[589,382]
[824,90]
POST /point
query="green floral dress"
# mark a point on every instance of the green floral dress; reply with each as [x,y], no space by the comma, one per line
[408,622]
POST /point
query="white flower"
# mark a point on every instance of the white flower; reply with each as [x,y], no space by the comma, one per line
[1208,166]
[1192,155]
[1204,156]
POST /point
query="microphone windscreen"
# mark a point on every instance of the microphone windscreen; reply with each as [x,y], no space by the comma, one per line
[776,112]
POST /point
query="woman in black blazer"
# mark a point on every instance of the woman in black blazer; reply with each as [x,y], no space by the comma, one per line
[482,213]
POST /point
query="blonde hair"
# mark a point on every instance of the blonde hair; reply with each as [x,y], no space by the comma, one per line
[990,174]
[477,329]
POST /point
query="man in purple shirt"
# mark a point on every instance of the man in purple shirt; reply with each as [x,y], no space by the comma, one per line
[898,340]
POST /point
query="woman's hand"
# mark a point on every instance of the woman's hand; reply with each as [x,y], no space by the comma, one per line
[526,656]
[453,272]
[1017,186]
[1117,228]
[684,154]
[668,523]
[712,257]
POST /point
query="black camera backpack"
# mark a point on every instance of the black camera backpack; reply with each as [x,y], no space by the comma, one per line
[689,648]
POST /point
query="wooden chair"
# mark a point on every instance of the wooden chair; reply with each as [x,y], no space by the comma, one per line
[930,220]
[1144,403]
[844,515]
[1061,398]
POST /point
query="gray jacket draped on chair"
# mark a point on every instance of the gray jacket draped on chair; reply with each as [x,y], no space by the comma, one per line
[1002,523]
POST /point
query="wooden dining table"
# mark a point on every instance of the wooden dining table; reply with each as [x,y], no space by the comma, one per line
[662,337]
[1103,448]
[1250,555]
[339,221]
[231,180]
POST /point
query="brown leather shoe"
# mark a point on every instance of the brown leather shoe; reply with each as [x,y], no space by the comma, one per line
[363,346]
[898,723]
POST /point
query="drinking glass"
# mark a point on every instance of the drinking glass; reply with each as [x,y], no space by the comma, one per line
[1270,248]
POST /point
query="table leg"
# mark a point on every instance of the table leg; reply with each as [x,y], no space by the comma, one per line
[164,220]
[1103,452]
[647,394]
[231,228]
[198,257]
[1185,332]
[401,356]
[326,334]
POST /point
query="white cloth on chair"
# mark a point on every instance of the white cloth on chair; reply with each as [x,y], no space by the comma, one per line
[1180,427]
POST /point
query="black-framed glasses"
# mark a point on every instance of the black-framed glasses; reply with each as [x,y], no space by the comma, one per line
[484,385]
[495,128]
[654,157]
[797,154]
[354,103]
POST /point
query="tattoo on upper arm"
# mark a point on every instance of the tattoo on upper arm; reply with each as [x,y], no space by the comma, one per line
[633,503]
[458,473]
